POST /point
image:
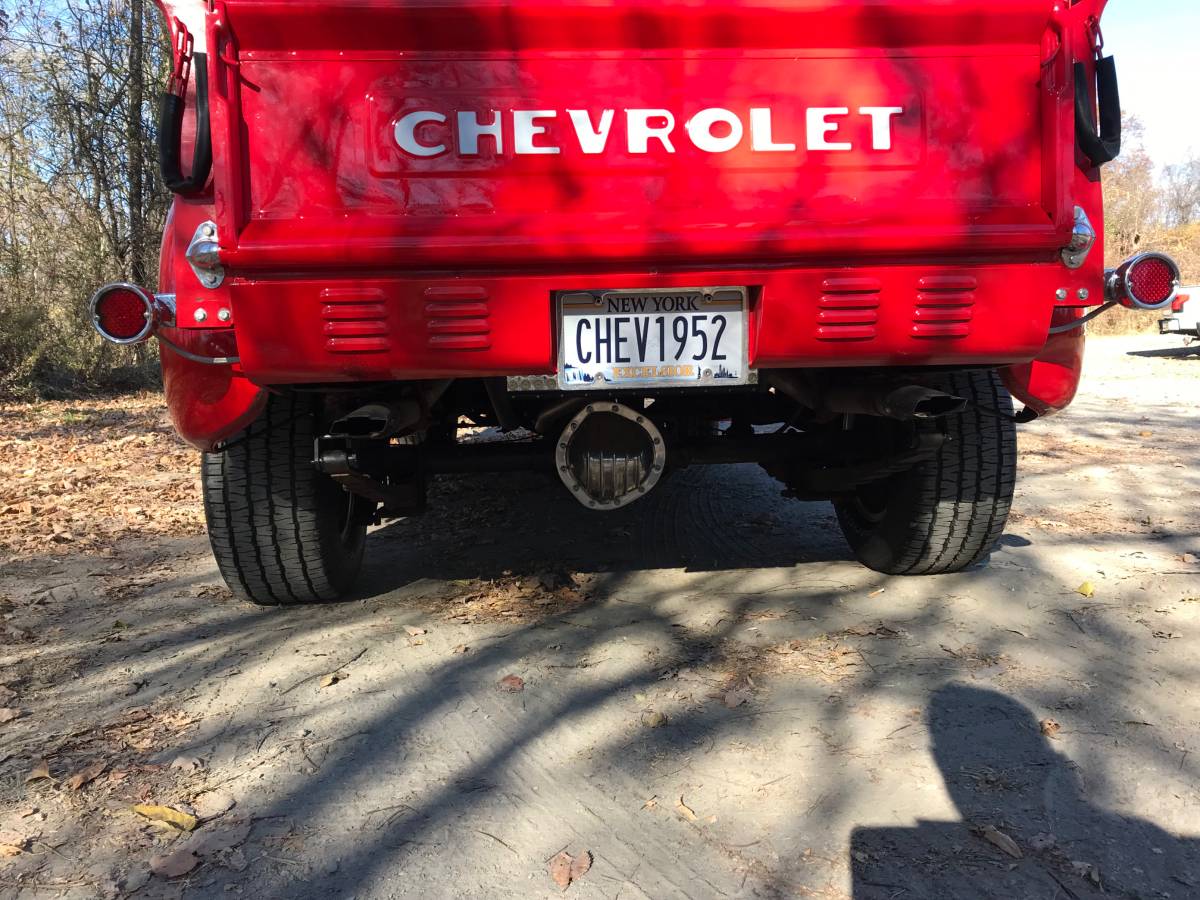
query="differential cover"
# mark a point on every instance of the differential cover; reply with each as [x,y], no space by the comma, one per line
[609,455]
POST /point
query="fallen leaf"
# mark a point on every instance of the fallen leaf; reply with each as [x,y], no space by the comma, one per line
[13,843]
[1189,558]
[998,838]
[187,763]
[181,820]
[685,811]
[85,776]
[511,683]
[734,699]
[652,803]
[580,866]
[653,719]
[461,648]
[211,804]
[1087,589]
[560,869]
[10,714]
[40,770]
[333,678]
[173,865]
[1049,727]
[880,630]
[206,843]
[1042,841]
[414,631]
[1086,870]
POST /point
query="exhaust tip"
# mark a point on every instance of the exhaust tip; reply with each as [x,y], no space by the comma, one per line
[123,313]
[916,402]
[938,406]
[609,455]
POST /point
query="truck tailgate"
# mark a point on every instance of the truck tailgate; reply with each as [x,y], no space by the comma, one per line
[633,131]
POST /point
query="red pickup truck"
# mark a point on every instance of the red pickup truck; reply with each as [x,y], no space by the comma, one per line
[833,238]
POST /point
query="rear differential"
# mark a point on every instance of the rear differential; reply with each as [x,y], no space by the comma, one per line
[609,455]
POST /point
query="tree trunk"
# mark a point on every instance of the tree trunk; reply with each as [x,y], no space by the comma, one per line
[137,75]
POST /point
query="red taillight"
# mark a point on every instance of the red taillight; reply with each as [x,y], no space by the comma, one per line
[123,313]
[1148,281]
[1152,280]
[1177,303]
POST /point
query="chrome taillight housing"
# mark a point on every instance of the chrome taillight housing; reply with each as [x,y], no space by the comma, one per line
[124,313]
[1146,281]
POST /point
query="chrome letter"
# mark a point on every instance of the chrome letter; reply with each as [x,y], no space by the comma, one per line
[760,133]
[699,129]
[406,133]
[469,131]
[524,130]
[637,123]
[881,124]
[591,140]
[819,126]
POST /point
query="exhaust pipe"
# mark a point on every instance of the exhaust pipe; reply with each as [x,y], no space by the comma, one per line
[912,401]
[609,455]
[375,421]
[905,403]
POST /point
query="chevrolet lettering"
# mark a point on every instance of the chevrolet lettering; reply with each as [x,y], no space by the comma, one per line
[425,133]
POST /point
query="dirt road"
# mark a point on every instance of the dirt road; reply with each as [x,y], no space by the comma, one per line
[713,700]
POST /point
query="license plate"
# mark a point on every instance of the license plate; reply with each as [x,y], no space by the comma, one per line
[691,337]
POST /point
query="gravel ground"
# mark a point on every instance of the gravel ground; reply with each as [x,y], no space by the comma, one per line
[710,699]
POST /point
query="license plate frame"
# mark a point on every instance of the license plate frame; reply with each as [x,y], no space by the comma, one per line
[658,303]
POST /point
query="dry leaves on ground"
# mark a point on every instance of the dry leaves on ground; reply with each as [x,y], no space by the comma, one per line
[998,838]
[79,475]
[174,865]
[168,815]
[86,776]
[511,684]
[40,770]
[1050,728]
[212,804]
[566,869]
[685,811]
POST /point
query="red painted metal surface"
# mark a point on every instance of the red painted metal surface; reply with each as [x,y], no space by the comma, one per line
[1048,383]
[893,179]
[207,403]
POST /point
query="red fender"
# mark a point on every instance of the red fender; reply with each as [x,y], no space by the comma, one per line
[1047,385]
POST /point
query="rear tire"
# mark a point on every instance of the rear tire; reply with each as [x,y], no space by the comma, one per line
[282,533]
[947,513]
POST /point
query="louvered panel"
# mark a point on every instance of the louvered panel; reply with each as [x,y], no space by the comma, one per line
[944,306]
[456,317]
[848,309]
[354,320]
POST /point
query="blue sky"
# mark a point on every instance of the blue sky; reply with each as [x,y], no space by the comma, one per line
[1154,42]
